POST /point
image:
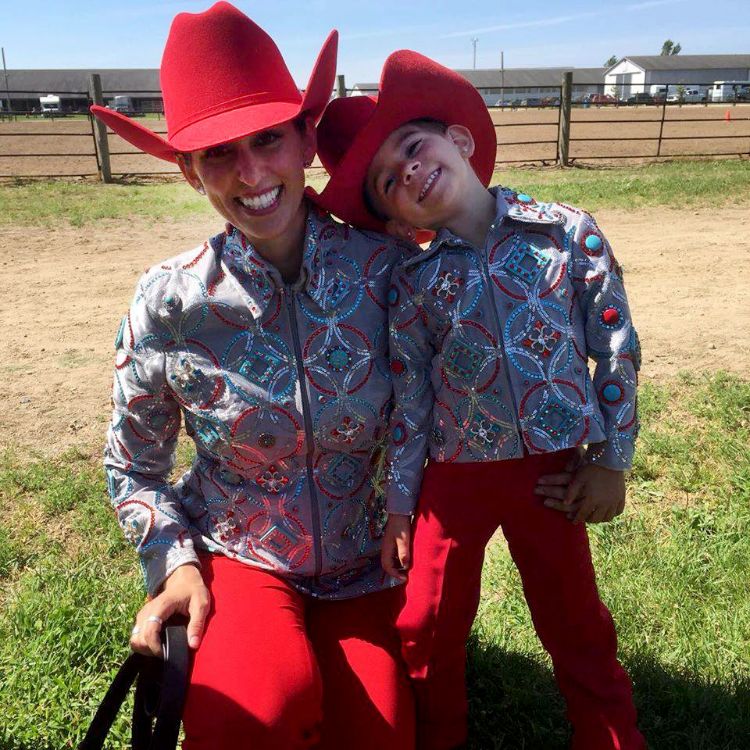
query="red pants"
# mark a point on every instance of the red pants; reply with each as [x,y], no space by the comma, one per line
[281,670]
[460,507]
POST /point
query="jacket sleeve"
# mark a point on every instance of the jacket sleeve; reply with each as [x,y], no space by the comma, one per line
[141,440]
[611,341]
[411,354]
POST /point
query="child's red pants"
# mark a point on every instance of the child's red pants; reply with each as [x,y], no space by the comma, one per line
[460,507]
[279,670]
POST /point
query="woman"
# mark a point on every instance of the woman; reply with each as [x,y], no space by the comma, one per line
[270,340]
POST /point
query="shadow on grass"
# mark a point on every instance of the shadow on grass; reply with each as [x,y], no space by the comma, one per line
[514,705]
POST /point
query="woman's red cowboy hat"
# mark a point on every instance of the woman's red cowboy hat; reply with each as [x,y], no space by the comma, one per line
[223,78]
[412,87]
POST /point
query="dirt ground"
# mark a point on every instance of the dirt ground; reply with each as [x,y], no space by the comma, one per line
[66,290]
[68,148]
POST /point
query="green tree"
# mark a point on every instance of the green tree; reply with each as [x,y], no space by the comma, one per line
[612,61]
[670,48]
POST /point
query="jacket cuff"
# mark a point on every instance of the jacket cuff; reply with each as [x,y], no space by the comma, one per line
[158,567]
[606,455]
[400,504]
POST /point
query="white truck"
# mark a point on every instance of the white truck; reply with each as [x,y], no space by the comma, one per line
[50,105]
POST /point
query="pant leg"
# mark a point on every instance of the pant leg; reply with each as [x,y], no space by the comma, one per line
[254,682]
[367,699]
[554,561]
[456,516]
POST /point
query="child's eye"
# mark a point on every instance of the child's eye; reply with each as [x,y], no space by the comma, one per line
[413,147]
[387,185]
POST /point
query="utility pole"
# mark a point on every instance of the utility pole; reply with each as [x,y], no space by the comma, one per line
[502,77]
[5,71]
[474,41]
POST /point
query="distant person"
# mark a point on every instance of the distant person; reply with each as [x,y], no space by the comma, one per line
[491,328]
[270,341]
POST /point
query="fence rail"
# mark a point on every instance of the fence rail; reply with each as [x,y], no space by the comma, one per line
[597,121]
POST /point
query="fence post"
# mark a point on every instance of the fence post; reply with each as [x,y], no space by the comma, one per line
[563,135]
[661,125]
[340,86]
[100,129]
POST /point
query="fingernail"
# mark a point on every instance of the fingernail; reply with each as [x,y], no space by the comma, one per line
[194,641]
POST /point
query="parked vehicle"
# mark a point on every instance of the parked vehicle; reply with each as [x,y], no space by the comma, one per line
[600,99]
[123,105]
[730,91]
[533,102]
[687,96]
[50,105]
[551,101]
[640,98]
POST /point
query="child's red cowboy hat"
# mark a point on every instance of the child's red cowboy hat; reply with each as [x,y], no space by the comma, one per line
[223,78]
[412,87]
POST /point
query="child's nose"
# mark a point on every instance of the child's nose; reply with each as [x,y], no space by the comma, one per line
[410,170]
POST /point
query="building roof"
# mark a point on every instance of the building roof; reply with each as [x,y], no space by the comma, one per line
[114,81]
[525,77]
[689,62]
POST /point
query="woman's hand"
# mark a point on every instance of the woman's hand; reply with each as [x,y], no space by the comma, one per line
[183,592]
[395,555]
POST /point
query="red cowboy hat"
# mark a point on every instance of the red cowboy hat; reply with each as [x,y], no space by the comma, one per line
[223,78]
[412,87]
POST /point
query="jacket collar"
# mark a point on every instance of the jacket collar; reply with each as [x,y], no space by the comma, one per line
[260,280]
[509,206]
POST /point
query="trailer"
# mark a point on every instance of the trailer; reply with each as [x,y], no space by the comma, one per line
[730,91]
[50,105]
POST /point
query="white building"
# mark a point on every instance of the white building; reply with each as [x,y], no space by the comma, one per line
[644,73]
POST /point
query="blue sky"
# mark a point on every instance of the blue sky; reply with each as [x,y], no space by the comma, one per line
[581,33]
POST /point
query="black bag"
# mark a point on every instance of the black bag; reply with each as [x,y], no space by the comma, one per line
[159,696]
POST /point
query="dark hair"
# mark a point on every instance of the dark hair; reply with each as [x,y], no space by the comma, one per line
[425,123]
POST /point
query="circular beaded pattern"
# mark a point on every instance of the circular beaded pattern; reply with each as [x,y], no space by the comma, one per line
[612,392]
[611,317]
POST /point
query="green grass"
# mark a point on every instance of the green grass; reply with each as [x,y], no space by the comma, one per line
[673,570]
[673,184]
[668,184]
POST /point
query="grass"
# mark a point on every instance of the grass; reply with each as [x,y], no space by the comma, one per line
[673,570]
[674,184]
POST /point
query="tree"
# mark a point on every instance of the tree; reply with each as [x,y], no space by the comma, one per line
[670,48]
[612,61]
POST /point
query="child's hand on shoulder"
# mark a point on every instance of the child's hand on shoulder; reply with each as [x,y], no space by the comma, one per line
[595,494]
[395,555]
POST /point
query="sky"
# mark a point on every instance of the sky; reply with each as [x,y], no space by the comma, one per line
[576,33]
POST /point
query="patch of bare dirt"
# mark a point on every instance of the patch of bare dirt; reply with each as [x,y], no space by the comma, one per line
[66,289]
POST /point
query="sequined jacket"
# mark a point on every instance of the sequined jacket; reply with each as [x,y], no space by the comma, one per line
[489,346]
[284,389]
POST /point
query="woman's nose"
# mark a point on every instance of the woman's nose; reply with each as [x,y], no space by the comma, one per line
[249,168]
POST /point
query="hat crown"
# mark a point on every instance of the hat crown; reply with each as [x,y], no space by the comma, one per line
[217,61]
[342,120]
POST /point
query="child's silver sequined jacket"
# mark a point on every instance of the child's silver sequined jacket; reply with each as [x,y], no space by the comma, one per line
[489,346]
[285,390]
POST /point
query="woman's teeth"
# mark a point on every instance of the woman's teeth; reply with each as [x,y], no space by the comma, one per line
[264,200]
[428,183]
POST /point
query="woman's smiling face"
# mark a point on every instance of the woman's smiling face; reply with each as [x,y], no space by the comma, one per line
[257,183]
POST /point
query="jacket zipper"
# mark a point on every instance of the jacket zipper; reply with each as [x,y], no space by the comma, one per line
[289,296]
[501,340]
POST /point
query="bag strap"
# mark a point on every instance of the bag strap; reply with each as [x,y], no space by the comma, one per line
[164,701]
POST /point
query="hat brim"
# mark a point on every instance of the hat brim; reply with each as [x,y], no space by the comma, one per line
[412,87]
[231,124]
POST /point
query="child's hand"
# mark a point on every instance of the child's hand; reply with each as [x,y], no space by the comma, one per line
[595,494]
[555,486]
[395,556]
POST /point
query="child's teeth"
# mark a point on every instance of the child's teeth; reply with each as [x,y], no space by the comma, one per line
[264,200]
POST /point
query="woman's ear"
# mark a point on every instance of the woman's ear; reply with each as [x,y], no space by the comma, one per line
[185,163]
[401,229]
[462,139]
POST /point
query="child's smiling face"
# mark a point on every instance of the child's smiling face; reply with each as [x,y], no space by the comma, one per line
[421,173]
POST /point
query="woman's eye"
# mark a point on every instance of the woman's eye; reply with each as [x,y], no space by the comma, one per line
[216,152]
[413,147]
[266,138]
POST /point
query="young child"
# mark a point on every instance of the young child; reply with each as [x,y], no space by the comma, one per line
[491,328]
